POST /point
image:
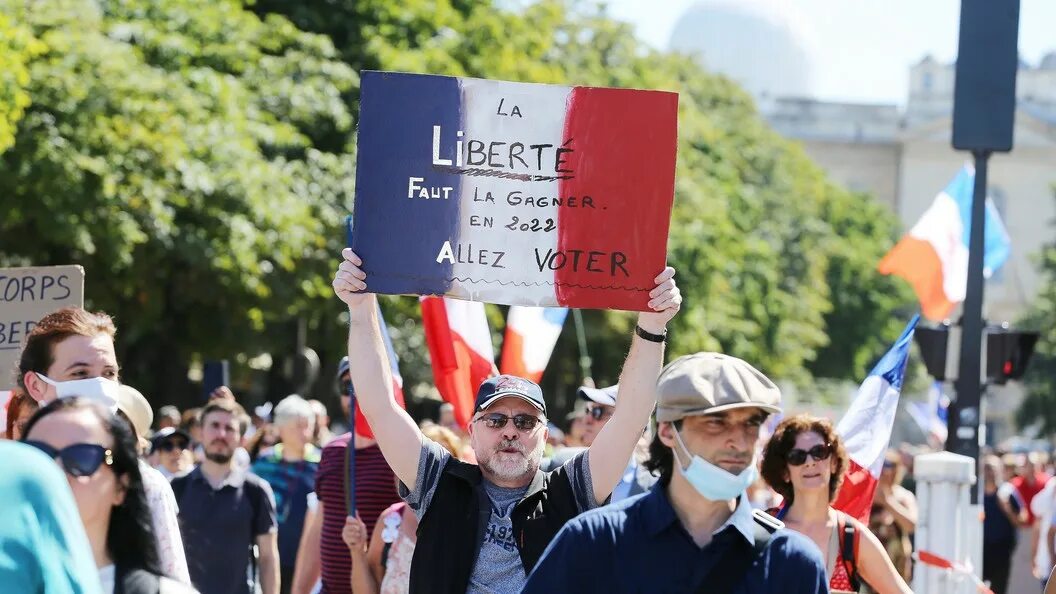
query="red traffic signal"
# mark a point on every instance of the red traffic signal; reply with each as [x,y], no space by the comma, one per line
[1008,353]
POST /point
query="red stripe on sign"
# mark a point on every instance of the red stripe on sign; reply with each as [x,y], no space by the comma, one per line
[855,497]
[612,245]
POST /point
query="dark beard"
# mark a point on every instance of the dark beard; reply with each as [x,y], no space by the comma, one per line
[218,457]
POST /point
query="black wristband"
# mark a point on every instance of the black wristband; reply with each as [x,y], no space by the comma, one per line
[649,335]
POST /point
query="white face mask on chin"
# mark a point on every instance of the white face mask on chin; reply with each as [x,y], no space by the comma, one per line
[711,481]
[96,389]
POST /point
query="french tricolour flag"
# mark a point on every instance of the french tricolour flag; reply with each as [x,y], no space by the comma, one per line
[933,256]
[362,427]
[531,333]
[866,428]
[460,348]
[562,192]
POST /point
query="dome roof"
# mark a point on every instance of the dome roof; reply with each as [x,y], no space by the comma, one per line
[762,44]
[1048,62]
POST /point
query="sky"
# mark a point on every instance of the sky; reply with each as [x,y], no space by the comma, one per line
[862,49]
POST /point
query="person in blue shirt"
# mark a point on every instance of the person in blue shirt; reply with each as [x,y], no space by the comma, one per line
[43,546]
[290,469]
[695,531]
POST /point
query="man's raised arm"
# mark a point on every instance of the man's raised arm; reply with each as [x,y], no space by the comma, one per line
[612,448]
[397,434]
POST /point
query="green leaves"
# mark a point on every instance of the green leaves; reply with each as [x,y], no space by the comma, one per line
[197,158]
[170,147]
[1039,407]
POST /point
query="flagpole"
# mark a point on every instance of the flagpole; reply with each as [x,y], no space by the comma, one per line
[350,495]
[584,356]
[964,416]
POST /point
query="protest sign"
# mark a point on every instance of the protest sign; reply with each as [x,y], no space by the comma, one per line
[514,193]
[26,295]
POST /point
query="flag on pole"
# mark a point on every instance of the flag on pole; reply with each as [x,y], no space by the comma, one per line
[360,421]
[866,427]
[531,333]
[460,349]
[930,416]
[933,256]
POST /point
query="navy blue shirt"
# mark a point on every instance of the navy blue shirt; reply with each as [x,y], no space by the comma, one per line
[639,545]
[220,525]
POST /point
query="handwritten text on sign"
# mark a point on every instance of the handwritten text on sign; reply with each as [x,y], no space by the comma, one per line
[26,295]
[513,193]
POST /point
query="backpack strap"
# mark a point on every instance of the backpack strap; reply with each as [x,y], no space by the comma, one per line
[849,538]
[729,571]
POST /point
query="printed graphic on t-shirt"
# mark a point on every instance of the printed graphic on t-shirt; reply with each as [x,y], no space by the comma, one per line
[500,534]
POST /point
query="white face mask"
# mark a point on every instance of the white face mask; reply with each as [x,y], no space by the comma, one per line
[713,482]
[96,389]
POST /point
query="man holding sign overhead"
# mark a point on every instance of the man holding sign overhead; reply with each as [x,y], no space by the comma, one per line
[483,527]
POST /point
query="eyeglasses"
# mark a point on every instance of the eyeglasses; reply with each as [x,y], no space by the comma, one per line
[168,446]
[798,457]
[79,459]
[598,413]
[522,422]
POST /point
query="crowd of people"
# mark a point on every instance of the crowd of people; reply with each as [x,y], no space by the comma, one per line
[674,480]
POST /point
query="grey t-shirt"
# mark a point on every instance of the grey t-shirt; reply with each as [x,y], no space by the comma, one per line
[498,569]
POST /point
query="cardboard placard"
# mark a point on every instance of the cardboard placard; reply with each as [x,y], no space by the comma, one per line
[26,295]
[513,193]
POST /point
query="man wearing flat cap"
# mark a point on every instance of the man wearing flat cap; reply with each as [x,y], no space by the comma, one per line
[695,531]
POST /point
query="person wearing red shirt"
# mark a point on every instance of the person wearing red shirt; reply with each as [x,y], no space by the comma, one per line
[1029,481]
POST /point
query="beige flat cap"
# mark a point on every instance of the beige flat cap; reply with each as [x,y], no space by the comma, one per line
[708,383]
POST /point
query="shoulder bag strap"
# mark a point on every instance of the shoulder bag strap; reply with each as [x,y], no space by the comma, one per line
[849,550]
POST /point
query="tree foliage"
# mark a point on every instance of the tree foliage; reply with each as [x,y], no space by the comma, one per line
[197,159]
[170,148]
[1039,406]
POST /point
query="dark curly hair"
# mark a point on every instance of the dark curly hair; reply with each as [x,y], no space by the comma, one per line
[775,465]
[130,536]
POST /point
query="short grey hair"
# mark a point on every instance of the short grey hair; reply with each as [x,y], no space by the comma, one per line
[293,408]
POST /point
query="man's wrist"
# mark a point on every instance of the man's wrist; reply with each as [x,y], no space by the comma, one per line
[644,334]
[653,327]
[361,312]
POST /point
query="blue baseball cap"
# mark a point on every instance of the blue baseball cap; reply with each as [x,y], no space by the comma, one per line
[502,386]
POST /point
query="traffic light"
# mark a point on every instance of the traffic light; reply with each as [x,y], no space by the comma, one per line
[1007,353]
[932,343]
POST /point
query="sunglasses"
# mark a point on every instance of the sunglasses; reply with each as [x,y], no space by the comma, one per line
[598,413]
[79,459]
[168,446]
[522,422]
[798,457]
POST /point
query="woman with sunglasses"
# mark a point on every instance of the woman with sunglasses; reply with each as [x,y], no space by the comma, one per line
[804,461]
[97,449]
[70,352]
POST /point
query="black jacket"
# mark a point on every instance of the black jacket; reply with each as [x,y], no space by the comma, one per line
[451,533]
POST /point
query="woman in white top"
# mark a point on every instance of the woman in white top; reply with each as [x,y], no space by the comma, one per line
[97,449]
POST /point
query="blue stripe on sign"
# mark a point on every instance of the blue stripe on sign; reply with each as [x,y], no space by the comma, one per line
[399,237]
